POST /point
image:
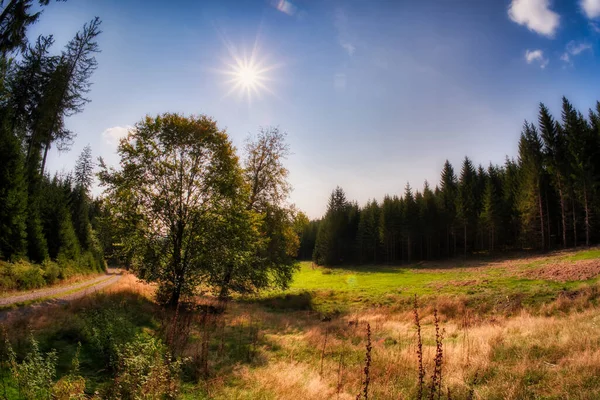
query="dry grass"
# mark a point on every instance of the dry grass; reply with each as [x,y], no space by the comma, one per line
[519,357]
[250,352]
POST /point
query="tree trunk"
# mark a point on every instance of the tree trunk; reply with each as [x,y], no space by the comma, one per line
[447,241]
[587,215]
[224,292]
[574,224]
[548,219]
[176,292]
[454,237]
[46,148]
[465,247]
[563,215]
[541,211]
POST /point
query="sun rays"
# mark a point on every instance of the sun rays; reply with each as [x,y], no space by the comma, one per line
[249,76]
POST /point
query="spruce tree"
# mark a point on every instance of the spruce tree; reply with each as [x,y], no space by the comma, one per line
[466,201]
[449,193]
[13,196]
[531,202]
[555,160]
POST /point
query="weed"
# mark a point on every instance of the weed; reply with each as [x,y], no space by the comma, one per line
[436,377]
[34,375]
[367,368]
[419,350]
[323,351]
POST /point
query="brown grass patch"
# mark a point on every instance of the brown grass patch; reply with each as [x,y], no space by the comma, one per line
[563,271]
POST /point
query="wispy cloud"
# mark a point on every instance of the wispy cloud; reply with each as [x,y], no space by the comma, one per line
[536,56]
[114,134]
[345,39]
[285,6]
[591,8]
[536,15]
[574,49]
[594,27]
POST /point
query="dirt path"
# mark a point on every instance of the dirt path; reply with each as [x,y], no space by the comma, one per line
[67,293]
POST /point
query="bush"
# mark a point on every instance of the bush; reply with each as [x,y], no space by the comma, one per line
[51,271]
[146,371]
[107,329]
[34,375]
[27,276]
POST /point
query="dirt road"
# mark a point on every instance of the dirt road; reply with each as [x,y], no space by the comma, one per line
[65,293]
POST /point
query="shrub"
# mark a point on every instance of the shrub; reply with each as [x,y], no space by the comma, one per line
[51,271]
[107,329]
[26,275]
[72,386]
[35,373]
[145,371]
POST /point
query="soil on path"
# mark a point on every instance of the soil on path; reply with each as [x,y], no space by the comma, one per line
[65,293]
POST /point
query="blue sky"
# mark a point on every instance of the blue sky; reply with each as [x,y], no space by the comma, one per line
[373,94]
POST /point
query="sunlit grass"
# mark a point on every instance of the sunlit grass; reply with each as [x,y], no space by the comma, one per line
[344,288]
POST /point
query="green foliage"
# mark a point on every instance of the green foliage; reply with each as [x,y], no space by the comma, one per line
[107,330]
[337,231]
[145,371]
[35,373]
[13,196]
[546,198]
[21,275]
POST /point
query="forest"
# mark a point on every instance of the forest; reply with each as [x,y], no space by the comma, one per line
[192,275]
[546,198]
[183,211]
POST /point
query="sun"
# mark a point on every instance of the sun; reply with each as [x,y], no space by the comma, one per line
[249,77]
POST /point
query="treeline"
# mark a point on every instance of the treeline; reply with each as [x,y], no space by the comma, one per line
[44,218]
[545,199]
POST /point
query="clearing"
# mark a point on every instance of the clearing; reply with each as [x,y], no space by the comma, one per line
[524,327]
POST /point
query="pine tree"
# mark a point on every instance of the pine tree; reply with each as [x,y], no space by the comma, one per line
[555,159]
[466,200]
[492,211]
[68,85]
[80,206]
[331,243]
[449,193]
[582,144]
[410,221]
[368,233]
[532,200]
[13,196]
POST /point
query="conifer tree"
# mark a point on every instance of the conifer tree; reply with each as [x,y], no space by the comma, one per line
[532,193]
[555,160]
[466,200]
[449,193]
[13,196]
[409,219]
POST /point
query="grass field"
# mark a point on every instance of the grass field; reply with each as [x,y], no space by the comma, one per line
[524,327]
[524,276]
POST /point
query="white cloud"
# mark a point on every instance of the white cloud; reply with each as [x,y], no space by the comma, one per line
[535,14]
[577,48]
[345,38]
[591,8]
[286,7]
[574,49]
[114,134]
[595,27]
[349,47]
[536,56]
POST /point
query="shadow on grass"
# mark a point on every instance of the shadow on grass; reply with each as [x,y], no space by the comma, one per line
[302,301]
[366,268]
